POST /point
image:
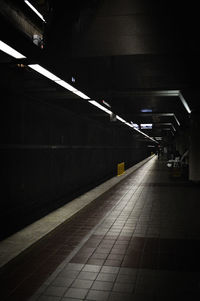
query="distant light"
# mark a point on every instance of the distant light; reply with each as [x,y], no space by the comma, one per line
[146,126]
[146,110]
[82,95]
[150,145]
[176,120]
[106,104]
[135,125]
[129,124]
[137,130]
[44,72]
[184,102]
[98,105]
[158,138]
[35,10]
[73,79]
[11,51]
[168,123]
[173,127]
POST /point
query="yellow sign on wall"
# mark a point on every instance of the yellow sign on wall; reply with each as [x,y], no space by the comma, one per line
[120,169]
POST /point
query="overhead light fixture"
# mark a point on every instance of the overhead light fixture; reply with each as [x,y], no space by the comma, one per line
[135,125]
[184,102]
[167,123]
[65,85]
[44,72]
[131,125]
[146,126]
[146,110]
[11,51]
[120,119]
[106,104]
[82,95]
[57,80]
[176,120]
[96,104]
[165,93]
[164,114]
[35,10]
[157,93]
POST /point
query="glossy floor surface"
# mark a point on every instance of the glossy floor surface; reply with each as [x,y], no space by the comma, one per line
[139,241]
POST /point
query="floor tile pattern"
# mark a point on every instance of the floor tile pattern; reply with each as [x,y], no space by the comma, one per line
[139,241]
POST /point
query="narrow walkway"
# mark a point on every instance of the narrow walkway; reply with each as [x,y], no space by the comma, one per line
[139,241]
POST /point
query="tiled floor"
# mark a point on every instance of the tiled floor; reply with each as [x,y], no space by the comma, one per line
[139,241]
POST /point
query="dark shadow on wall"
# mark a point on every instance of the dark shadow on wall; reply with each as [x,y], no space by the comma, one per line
[50,155]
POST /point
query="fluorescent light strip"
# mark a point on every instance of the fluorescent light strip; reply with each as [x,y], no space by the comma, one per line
[145,135]
[157,93]
[106,104]
[35,10]
[130,125]
[11,51]
[44,72]
[57,80]
[146,126]
[120,119]
[167,123]
[82,95]
[166,93]
[134,125]
[176,120]
[184,102]
[173,127]
[146,110]
[65,85]
[96,104]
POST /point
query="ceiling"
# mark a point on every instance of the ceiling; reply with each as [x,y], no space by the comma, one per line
[134,55]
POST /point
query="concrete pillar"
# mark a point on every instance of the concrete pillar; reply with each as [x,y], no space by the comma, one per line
[194,148]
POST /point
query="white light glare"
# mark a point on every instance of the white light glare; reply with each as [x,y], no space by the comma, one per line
[184,102]
[35,10]
[146,125]
[11,51]
[44,72]
[146,110]
[106,104]
[82,95]
[120,119]
[57,80]
[65,85]
[176,120]
[131,125]
[135,125]
[96,104]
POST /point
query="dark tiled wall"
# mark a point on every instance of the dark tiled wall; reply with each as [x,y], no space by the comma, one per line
[50,155]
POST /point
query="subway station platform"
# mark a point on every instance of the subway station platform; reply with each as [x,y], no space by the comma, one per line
[138,240]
